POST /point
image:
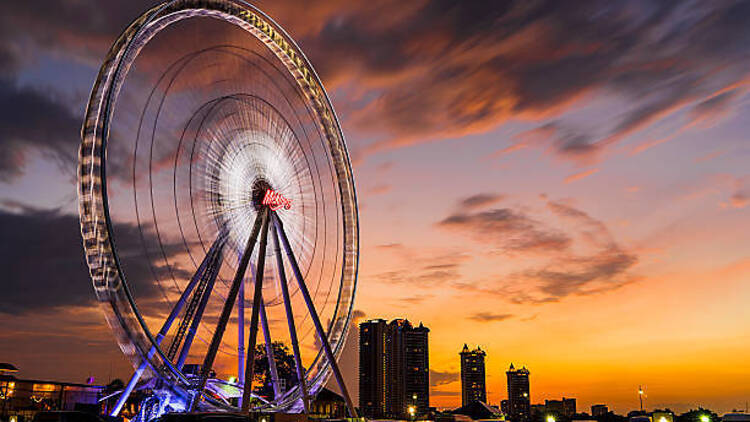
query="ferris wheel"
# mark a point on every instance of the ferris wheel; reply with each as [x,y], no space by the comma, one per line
[214,182]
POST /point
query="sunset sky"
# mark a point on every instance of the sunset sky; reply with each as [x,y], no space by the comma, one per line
[565,184]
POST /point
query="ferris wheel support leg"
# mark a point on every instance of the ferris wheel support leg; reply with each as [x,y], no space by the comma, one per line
[221,326]
[290,321]
[269,351]
[314,316]
[213,272]
[164,330]
[241,334]
[255,316]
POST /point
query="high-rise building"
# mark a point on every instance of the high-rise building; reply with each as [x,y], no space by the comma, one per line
[394,369]
[519,406]
[408,378]
[372,371]
[599,410]
[473,387]
[418,364]
[565,407]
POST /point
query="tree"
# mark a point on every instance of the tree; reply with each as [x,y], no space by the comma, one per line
[285,368]
[114,385]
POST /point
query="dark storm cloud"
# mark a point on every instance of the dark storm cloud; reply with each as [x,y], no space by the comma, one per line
[564,140]
[416,299]
[480,200]
[445,68]
[78,337]
[85,28]
[440,68]
[425,272]
[43,264]
[437,393]
[40,118]
[561,270]
[442,377]
[33,120]
[604,267]
[489,317]
[715,107]
[741,196]
[509,229]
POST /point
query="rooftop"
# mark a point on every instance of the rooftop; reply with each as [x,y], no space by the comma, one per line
[7,367]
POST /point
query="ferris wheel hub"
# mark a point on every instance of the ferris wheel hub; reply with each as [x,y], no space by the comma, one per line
[258,192]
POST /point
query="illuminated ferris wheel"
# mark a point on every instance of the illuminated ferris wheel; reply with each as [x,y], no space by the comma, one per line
[212,164]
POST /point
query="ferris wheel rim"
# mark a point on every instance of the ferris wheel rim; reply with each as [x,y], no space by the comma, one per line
[102,116]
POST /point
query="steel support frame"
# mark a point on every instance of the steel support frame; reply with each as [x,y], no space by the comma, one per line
[314,315]
[261,227]
[218,243]
[290,322]
[255,315]
[221,326]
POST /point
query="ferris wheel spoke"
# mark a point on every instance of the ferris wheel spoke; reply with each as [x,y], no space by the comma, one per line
[221,326]
[269,351]
[314,315]
[290,320]
[255,316]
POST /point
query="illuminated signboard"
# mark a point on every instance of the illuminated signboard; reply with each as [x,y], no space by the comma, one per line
[275,200]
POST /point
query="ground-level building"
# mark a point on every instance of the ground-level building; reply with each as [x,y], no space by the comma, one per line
[23,398]
[328,405]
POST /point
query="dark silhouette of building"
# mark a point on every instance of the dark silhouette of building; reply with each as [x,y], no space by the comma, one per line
[538,412]
[565,407]
[599,410]
[473,387]
[328,405]
[479,410]
[397,354]
[408,389]
[519,406]
[417,357]
[372,369]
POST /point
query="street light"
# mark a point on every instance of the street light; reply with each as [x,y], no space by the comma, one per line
[412,410]
[550,418]
[705,418]
[640,396]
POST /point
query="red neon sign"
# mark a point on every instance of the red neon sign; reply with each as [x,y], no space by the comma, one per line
[275,200]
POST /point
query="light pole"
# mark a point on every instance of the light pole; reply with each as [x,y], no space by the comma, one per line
[640,398]
[412,411]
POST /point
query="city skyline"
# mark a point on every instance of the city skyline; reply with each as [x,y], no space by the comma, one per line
[565,187]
